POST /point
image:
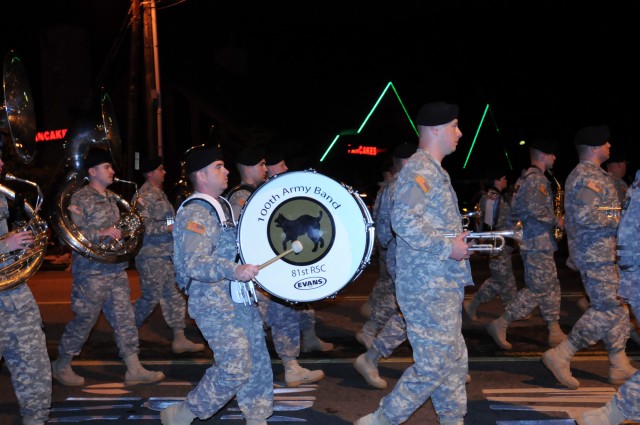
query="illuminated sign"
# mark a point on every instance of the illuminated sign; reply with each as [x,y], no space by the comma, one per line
[49,135]
[366,150]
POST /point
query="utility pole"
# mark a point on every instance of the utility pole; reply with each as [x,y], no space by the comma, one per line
[152,79]
[133,78]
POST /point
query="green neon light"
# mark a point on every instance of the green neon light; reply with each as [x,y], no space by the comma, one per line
[356,132]
[476,136]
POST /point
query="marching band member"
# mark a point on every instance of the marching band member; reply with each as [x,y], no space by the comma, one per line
[432,272]
[532,204]
[22,341]
[99,286]
[592,241]
[280,316]
[154,260]
[496,211]
[626,403]
[205,253]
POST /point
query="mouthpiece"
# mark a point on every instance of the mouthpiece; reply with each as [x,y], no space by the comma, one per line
[117,180]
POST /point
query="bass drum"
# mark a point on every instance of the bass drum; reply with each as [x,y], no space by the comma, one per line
[328,218]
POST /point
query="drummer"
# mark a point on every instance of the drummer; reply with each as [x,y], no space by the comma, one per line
[277,314]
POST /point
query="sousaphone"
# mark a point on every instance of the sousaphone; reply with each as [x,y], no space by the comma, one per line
[84,135]
[18,127]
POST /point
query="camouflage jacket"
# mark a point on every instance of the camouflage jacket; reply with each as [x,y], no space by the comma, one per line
[532,204]
[92,212]
[425,209]
[204,250]
[628,244]
[155,209]
[503,221]
[591,234]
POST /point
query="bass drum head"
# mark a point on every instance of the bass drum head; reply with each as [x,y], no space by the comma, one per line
[328,219]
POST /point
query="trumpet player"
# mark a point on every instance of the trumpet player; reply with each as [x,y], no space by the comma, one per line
[496,210]
[99,286]
[532,204]
[22,340]
[592,245]
[431,274]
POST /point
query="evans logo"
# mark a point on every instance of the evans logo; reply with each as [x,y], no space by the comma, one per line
[310,283]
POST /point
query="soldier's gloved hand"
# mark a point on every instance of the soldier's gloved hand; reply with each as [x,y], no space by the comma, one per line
[246,272]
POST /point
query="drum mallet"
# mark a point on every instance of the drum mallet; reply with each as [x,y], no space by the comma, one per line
[296,246]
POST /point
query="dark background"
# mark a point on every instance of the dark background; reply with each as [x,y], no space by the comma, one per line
[293,75]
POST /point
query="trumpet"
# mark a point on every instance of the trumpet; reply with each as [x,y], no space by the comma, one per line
[496,238]
[466,217]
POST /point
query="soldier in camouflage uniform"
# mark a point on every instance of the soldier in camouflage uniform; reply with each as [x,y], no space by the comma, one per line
[280,316]
[154,260]
[432,272]
[99,286]
[22,340]
[385,308]
[205,262]
[626,403]
[532,204]
[617,168]
[496,211]
[592,242]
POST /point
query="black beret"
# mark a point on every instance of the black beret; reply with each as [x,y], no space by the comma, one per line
[97,156]
[495,173]
[274,157]
[250,156]
[617,154]
[201,157]
[150,164]
[437,113]
[592,136]
[545,146]
[404,150]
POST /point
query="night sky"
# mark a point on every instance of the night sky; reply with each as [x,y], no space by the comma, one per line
[300,72]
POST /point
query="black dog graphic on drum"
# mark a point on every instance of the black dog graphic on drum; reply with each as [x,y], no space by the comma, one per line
[303,225]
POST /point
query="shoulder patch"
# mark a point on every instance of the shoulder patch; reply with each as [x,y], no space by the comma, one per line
[542,188]
[195,227]
[423,184]
[241,202]
[591,185]
[142,202]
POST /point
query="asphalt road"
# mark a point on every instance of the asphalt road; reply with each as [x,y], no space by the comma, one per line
[507,388]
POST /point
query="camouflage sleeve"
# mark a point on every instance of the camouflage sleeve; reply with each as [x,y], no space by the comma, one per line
[587,202]
[152,215]
[78,209]
[198,243]
[238,200]
[538,199]
[384,233]
[411,220]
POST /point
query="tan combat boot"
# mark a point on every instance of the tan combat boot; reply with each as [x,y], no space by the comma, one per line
[177,414]
[375,418]
[369,371]
[620,369]
[137,374]
[61,370]
[311,342]
[609,414]
[471,307]
[556,336]
[498,331]
[296,375]
[558,361]
[181,344]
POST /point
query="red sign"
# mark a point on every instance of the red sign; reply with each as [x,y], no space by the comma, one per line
[366,150]
[49,135]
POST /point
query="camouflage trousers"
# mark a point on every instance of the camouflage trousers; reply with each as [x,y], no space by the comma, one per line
[542,288]
[383,297]
[283,319]
[606,319]
[628,395]
[242,365]
[502,281]
[392,335]
[434,328]
[158,286]
[94,291]
[24,349]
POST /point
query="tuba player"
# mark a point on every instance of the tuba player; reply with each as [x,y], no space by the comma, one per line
[99,286]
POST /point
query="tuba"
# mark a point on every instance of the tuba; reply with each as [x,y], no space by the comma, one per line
[80,139]
[17,124]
